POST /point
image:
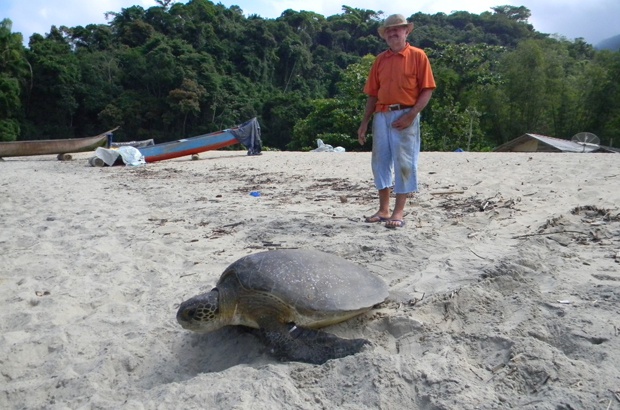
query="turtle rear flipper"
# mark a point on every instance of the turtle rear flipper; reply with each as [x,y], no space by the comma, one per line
[290,342]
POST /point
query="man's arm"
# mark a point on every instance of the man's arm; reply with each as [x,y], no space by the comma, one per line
[371,102]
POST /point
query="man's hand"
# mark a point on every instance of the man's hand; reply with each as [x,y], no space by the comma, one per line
[361,133]
[405,120]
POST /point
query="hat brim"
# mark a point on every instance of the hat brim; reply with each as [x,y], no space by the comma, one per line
[382,29]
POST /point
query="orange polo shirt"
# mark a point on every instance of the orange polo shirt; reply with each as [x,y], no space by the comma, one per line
[398,78]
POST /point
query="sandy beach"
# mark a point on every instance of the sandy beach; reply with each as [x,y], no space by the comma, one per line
[505,282]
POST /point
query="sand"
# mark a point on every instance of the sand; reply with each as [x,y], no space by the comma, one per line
[505,282]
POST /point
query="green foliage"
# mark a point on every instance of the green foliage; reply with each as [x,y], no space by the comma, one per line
[180,69]
[452,128]
[14,74]
[52,101]
[599,93]
[185,100]
[336,120]
[465,74]
[9,96]
[9,130]
[280,114]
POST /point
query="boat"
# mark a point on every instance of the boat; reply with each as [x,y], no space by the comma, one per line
[58,146]
[247,134]
[135,144]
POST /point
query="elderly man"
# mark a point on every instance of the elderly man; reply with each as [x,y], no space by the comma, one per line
[399,86]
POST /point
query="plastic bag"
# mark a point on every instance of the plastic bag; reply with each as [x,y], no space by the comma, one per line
[131,156]
[322,147]
[109,156]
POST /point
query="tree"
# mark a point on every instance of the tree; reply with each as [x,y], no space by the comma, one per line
[599,97]
[186,99]
[465,74]
[525,76]
[519,14]
[52,103]
[15,73]
[336,120]
[280,112]
[130,26]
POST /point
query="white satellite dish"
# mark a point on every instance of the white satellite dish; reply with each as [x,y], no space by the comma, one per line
[586,139]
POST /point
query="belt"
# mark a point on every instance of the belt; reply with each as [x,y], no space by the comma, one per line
[396,107]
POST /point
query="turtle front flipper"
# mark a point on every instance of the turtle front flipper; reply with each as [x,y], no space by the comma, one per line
[290,342]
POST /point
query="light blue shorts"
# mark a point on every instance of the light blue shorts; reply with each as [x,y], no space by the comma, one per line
[395,153]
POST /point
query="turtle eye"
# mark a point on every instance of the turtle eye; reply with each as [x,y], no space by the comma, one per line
[189,314]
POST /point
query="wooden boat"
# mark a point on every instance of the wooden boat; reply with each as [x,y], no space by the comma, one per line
[247,133]
[59,146]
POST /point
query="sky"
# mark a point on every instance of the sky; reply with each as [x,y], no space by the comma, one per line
[593,20]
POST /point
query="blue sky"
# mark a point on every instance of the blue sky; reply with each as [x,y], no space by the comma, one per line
[594,20]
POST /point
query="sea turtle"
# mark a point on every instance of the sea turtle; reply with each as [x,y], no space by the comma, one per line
[283,296]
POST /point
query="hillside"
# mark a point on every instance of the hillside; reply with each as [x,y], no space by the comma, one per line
[612,43]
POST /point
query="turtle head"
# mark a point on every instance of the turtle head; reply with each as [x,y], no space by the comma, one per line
[201,313]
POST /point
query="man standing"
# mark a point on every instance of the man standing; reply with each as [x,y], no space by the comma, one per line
[399,86]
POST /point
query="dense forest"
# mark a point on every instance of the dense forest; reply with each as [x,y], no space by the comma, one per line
[178,70]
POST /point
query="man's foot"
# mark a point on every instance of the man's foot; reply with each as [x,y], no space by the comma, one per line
[394,223]
[375,218]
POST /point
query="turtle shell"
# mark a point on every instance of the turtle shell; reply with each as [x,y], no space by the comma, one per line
[309,281]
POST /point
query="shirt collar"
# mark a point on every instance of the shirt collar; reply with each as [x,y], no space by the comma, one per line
[401,52]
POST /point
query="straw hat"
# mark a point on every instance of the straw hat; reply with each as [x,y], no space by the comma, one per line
[395,20]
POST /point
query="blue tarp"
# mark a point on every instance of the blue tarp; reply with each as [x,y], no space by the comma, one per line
[248,134]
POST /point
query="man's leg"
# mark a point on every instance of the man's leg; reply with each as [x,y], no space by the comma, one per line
[381,165]
[384,202]
[407,143]
[384,207]
[397,218]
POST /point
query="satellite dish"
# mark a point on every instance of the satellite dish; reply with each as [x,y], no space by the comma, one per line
[586,139]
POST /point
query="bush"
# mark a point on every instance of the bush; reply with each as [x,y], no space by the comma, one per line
[9,130]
